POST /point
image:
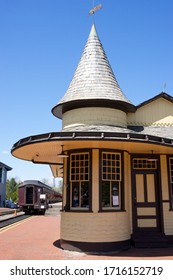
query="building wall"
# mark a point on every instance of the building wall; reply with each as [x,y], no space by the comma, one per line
[95,227]
[95,180]
[167,213]
[157,113]
[114,226]
[128,188]
[99,226]
[94,116]
[3,179]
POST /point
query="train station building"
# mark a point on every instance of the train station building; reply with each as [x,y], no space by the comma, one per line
[116,160]
[3,178]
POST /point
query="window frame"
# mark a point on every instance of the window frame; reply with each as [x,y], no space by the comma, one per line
[142,163]
[170,182]
[121,206]
[69,206]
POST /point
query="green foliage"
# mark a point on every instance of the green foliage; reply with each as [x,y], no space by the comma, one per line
[12,190]
[58,189]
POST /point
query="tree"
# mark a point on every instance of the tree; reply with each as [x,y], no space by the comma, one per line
[12,189]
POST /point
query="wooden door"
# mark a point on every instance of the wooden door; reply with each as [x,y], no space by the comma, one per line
[146,214]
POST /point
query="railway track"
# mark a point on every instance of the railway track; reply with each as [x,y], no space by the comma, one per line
[10,221]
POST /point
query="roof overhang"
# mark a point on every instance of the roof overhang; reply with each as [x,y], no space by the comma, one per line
[161,95]
[45,148]
[61,108]
[8,168]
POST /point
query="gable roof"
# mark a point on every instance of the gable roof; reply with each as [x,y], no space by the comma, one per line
[160,95]
[8,168]
[94,83]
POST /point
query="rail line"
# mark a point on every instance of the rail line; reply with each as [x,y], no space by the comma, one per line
[11,221]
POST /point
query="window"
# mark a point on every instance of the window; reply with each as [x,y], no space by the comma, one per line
[144,163]
[111,181]
[171,178]
[79,180]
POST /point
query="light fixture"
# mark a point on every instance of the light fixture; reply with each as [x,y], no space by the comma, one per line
[152,157]
[62,154]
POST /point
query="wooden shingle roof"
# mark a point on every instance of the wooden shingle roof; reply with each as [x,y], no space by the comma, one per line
[94,83]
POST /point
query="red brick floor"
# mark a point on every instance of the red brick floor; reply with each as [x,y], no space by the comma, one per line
[38,237]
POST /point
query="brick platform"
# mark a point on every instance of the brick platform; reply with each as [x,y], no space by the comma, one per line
[37,238]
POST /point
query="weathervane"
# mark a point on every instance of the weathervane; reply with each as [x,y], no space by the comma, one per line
[95,8]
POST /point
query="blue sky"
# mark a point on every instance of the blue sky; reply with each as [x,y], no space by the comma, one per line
[41,42]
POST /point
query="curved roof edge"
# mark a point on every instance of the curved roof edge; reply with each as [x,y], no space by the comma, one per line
[35,183]
[60,109]
[101,135]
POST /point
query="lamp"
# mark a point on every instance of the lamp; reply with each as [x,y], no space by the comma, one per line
[62,154]
[152,157]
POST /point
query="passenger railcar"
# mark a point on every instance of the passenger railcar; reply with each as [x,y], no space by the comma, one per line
[34,197]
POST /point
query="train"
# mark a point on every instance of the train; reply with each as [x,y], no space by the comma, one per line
[34,197]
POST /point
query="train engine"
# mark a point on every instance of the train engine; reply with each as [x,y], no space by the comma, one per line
[35,196]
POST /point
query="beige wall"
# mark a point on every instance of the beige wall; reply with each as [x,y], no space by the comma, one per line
[156,113]
[164,177]
[127,187]
[95,227]
[99,227]
[94,116]
[95,180]
[64,184]
[168,219]
[111,226]
[167,214]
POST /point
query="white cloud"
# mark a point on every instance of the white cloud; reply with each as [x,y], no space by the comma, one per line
[5,152]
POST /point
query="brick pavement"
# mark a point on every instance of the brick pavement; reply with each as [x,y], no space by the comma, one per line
[37,238]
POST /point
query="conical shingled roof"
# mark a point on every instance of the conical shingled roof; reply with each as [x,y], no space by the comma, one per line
[93,83]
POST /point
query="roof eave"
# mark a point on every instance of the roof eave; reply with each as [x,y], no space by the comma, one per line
[160,95]
[90,135]
[60,109]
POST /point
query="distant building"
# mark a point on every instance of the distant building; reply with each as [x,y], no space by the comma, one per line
[3,178]
[116,160]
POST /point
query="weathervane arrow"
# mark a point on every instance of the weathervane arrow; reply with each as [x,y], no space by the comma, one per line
[95,9]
